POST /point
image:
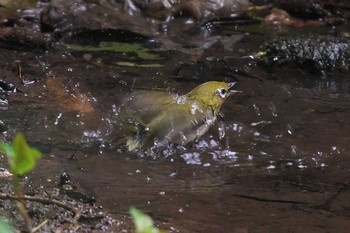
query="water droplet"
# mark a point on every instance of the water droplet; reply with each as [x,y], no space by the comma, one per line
[173,174]
[57,119]
[260,122]
[191,158]
[183,137]
[257,110]
[221,130]
[263,153]
[294,149]
[201,144]
[273,109]
[213,143]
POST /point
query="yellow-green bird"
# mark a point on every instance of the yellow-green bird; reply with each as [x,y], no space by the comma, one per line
[157,118]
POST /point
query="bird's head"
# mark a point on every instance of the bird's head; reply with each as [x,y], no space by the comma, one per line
[211,94]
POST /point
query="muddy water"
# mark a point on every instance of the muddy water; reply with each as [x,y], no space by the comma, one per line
[276,161]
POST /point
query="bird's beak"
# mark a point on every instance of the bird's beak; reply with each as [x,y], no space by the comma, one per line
[230,85]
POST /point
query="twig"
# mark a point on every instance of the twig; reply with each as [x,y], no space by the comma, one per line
[24,213]
[269,200]
[35,229]
[20,74]
[42,64]
[20,203]
[45,201]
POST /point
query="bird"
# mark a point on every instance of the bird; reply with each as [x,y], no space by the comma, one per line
[155,118]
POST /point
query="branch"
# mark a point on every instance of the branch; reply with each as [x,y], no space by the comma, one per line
[46,201]
[37,228]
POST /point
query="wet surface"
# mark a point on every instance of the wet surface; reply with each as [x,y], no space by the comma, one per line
[276,161]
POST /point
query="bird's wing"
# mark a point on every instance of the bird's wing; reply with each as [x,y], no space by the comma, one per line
[146,105]
[137,111]
[177,124]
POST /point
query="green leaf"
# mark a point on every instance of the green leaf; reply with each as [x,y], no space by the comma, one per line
[21,157]
[143,223]
[5,227]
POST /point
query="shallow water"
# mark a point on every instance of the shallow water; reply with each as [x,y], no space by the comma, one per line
[276,161]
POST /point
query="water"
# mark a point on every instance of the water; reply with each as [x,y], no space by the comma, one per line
[276,161]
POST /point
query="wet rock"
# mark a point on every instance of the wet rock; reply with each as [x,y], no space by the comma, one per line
[281,17]
[69,188]
[166,10]
[65,179]
[39,26]
[25,31]
[5,88]
[312,52]
[48,22]
[69,17]
[311,9]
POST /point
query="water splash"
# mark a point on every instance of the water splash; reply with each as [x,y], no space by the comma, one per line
[224,154]
[192,158]
[257,109]
[221,130]
[273,109]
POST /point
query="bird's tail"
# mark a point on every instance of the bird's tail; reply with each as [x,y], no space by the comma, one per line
[136,136]
[133,143]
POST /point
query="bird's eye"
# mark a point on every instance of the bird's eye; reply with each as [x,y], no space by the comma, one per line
[222,92]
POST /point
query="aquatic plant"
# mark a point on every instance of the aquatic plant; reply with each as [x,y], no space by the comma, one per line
[22,159]
[142,222]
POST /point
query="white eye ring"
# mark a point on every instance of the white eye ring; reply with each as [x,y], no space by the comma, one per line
[222,92]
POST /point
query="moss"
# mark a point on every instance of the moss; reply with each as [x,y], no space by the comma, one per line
[141,51]
[323,52]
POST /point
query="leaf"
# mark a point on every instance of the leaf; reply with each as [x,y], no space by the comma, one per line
[21,157]
[5,227]
[143,223]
